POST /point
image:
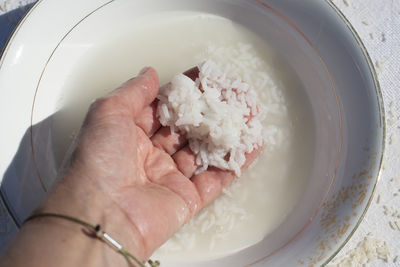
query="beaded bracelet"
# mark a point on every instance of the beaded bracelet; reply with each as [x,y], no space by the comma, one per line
[101,235]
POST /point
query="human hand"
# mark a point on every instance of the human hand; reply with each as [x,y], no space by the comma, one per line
[136,169]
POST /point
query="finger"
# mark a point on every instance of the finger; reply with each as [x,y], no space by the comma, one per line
[250,157]
[210,183]
[185,161]
[167,141]
[164,139]
[128,100]
[137,93]
[147,119]
[161,170]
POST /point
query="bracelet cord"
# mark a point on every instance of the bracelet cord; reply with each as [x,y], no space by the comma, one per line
[101,235]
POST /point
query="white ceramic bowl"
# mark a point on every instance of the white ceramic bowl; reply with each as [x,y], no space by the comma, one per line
[313,37]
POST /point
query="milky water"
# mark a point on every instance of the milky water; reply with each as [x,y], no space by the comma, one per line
[264,195]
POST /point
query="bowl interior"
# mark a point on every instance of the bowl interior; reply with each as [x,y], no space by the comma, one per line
[335,78]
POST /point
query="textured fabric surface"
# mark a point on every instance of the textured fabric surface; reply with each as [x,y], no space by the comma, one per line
[378,24]
[8,5]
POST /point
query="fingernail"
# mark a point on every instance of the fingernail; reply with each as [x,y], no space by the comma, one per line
[144,70]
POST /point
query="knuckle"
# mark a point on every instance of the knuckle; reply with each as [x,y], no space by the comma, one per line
[103,105]
[100,108]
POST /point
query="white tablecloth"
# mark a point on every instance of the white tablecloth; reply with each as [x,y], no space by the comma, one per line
[378,24]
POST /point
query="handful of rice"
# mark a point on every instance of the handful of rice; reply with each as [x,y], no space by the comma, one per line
[218,115]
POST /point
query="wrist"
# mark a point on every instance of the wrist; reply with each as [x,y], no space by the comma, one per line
[50,241]
[79,197]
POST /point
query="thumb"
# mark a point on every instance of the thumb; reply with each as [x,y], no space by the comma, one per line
[138,92]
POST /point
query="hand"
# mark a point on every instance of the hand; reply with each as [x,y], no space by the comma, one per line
[124,151]
[130,174]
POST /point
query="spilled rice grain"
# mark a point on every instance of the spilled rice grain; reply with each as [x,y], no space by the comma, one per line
[372,36]
[367,251]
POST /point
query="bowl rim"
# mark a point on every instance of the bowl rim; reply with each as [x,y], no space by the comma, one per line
[366,55]
[382,116]
[3,54]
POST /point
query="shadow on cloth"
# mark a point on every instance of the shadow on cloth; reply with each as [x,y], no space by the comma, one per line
[21,189]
